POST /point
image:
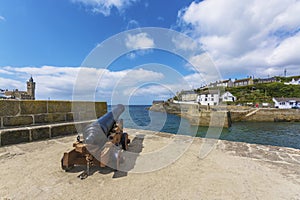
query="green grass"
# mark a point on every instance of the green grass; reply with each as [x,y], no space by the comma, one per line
[260,93]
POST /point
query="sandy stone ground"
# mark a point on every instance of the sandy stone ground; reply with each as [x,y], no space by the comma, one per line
[230,171]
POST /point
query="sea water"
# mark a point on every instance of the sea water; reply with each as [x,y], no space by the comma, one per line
[285,134]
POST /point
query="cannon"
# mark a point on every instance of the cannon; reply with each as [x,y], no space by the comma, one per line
[101,144]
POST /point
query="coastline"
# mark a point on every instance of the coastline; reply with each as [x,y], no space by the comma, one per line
[202,116]
[231,170]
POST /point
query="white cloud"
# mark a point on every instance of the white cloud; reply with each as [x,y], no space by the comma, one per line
[104,6]
[135,76]
[2,18]
[287,53]
[249,34]
[185,43]
[10,83]
[132,24]
[197,80]
[269,71]
[201,62]
[139,41]
[205,70]
[45,70]
[155,92]
[152,90]
[158,90]
[58,82]
[3,71]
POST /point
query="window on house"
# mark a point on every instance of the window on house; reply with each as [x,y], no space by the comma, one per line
[212,99]
[205,99]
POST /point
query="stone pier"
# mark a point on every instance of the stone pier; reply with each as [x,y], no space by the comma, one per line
[201,115]
[232,170]
[197,115]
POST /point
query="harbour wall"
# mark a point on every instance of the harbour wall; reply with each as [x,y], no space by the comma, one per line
[196,114]
[14,113]
[30,120]
[225,115]
[210,118]
[272,115]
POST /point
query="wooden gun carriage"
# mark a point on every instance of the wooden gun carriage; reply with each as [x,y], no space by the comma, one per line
[101,144]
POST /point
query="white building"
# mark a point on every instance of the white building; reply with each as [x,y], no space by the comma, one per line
[224,83]
[286,103]
[2,94]
[243,82]
[293,82]
[188,95]
[266,80]
[210,97]
[227,97]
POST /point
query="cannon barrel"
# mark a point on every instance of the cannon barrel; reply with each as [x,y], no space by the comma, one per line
[108,120]
[94,144]
[95,134]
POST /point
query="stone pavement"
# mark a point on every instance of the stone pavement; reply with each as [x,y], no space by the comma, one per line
[231,170]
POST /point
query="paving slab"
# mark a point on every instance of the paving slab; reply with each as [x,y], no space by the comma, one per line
[232,170]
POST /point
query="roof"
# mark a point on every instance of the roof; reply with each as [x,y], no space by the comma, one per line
[226,92]
[266,79]
[157,101]
[226,81]
[272,79]
[211,92]
[7,93]
[242,80]
[188,92]
[287,99]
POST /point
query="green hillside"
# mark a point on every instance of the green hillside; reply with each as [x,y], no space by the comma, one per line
[260,93]
[286,79]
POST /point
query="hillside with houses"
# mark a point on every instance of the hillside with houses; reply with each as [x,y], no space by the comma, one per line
[277,92]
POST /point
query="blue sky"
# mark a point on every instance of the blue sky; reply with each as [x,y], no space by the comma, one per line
[62,32]
[50,39]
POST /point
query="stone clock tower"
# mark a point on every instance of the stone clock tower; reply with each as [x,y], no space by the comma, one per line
[31,88]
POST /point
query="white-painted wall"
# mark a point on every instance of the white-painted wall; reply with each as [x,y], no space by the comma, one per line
[286,104]
[228,97]
[293,82]
[208,99]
